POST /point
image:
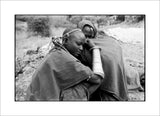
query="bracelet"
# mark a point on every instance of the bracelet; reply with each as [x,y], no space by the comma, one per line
[95,47]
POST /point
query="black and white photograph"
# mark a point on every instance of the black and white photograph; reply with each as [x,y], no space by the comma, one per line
[80,57]
[83,57]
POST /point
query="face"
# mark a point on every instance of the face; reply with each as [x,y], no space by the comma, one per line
[75,43]
[88,31]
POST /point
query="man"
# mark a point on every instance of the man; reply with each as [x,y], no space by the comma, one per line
[61,76]
[114,85]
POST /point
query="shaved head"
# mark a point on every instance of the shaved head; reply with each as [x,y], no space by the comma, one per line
[73,41]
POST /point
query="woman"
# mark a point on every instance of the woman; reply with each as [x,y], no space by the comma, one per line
[114,85]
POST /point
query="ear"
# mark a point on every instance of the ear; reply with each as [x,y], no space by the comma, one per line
[65,40]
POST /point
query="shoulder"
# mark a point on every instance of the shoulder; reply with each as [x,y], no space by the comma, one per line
[61,55]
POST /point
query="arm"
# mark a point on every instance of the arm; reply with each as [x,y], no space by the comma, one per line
[96,64]
[96,79]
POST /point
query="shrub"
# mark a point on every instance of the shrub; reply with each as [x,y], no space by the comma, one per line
[39,26]
[120,18]
[140,18]
[60,22]
[75,19]
[134,18]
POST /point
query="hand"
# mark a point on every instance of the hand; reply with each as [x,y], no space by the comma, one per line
[89,44]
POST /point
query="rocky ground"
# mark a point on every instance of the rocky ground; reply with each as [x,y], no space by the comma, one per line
[29,54]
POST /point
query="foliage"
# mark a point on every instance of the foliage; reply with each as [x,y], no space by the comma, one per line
[60,21]
[74,19]
[120,18]
[134,18]
[39,26]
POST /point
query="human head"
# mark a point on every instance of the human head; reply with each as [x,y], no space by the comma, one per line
[88,28]
[73,40]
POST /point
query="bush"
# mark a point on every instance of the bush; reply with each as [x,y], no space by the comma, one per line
[39,26]
[75,19]
[134,18]
[140,18]
[120,18]
[60,21]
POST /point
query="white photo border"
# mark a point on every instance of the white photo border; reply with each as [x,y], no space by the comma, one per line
[10,8]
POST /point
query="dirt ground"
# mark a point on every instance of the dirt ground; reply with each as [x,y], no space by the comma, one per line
[130,37]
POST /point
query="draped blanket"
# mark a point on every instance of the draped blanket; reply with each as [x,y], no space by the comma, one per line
[113,65]
[59,71]
[118,77]
[112,60]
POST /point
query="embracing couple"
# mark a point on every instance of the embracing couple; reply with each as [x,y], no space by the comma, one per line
[81,68]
